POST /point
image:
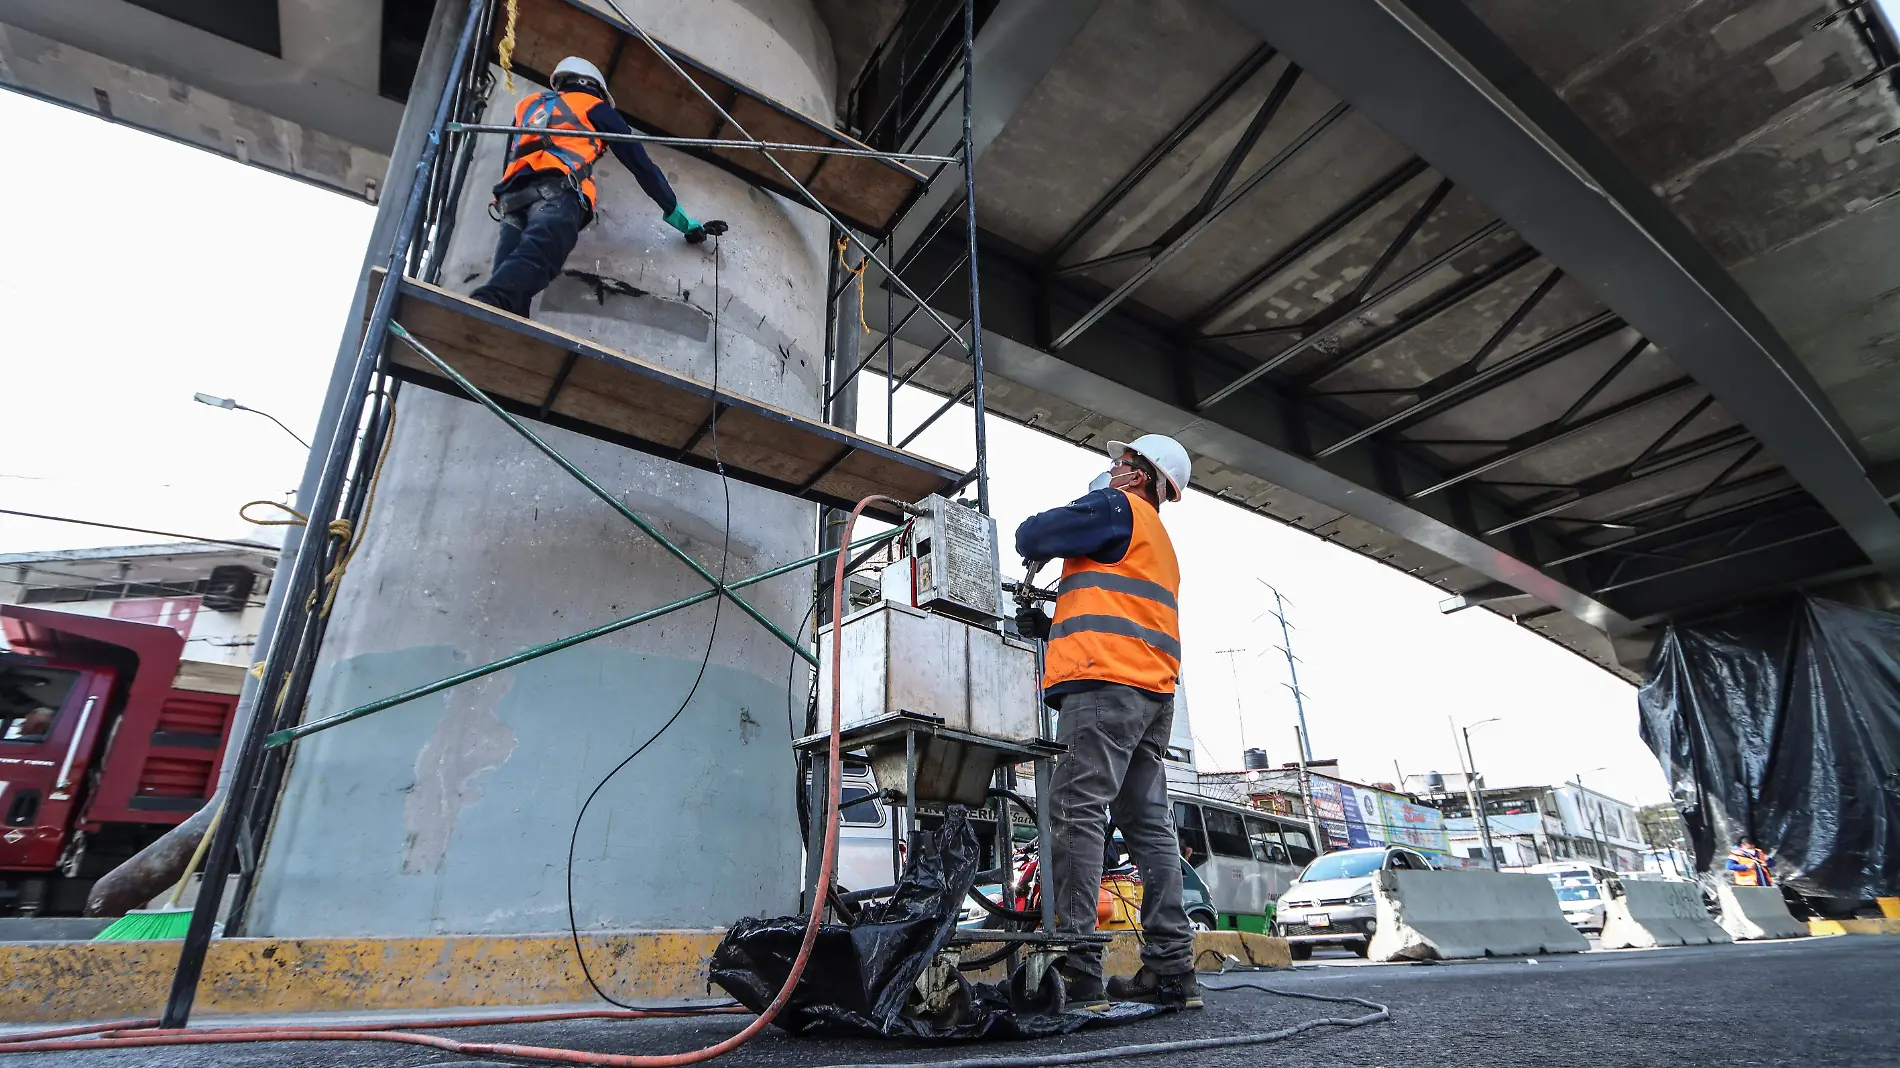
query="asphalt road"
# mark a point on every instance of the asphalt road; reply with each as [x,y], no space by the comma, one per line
[1813,1002]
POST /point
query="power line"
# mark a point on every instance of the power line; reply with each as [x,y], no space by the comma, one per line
[139,530]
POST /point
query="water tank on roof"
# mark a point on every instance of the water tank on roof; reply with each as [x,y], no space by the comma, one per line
[1434,782]
[1255,760]
[229,588]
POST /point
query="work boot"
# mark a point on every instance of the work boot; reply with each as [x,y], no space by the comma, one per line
[1181,991]
[1082,990]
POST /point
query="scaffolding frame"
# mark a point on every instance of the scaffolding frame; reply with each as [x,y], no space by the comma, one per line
[352,456]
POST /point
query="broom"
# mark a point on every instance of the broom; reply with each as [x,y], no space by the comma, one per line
[160,924]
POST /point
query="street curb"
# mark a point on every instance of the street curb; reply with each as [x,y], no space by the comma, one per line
[1889,926]
[42,981]
[67,981]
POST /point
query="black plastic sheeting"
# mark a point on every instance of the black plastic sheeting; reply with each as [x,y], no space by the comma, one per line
[1782,721]
[859,978]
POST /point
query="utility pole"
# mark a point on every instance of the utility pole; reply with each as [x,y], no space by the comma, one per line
[1320,844]
[1473,795]
[1292,667]
[1583,802]
[1240,713]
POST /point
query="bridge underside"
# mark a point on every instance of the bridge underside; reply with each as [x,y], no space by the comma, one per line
[1429,349]
[1579,310]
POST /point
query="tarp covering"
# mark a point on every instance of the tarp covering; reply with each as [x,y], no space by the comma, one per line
[1782,721]
[860,977]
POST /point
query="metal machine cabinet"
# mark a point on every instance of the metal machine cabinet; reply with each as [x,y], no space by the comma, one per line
[903,659]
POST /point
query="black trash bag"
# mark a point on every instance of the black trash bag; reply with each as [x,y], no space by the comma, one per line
[860,977]
[1782,721]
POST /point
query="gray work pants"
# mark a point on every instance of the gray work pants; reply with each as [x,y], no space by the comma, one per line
[1117,737]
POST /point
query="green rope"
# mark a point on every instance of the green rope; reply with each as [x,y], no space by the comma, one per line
[285,737]
[599,491]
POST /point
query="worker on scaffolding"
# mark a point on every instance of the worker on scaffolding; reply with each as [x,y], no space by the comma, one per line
[1113,654]
[547,195]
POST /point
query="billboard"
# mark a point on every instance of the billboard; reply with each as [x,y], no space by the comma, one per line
[1357,817]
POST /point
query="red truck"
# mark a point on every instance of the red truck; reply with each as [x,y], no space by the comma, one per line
[100,751]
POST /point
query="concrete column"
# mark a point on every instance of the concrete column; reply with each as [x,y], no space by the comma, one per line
[452,814]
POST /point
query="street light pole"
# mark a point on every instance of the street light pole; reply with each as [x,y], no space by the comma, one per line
[231,405]
[1471,777]
[1240,714]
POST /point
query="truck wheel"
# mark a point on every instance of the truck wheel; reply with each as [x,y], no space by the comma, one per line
[1202,921]
[1300,950]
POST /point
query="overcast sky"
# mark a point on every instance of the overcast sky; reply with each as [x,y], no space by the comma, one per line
[162,270]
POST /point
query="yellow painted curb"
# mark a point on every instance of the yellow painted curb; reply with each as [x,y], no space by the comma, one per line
[1888,926]
[99,980]
[42,981]
[1889,907]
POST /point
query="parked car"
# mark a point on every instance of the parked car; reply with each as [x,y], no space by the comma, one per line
[1331,903]
[1582,891]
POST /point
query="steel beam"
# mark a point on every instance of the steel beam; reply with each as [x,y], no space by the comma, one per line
[1209,104]
[1531,440]
[1466,382]
[1195,229]
[1303,245]
[1126,369]
[1434,76]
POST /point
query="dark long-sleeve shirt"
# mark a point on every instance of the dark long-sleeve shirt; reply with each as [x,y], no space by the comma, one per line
[631,155]
[1097,526]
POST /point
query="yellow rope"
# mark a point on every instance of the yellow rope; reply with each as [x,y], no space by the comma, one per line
[340,528]
[505,50]
[300,520]
[858,271]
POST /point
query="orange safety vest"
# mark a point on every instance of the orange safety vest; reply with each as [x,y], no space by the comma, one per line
[572,156]
[1119,622]
[1754,870]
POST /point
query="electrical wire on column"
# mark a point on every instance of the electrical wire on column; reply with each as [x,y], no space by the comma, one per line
[725,556]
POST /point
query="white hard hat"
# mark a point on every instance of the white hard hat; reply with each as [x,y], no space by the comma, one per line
[578,66]
[1166,454]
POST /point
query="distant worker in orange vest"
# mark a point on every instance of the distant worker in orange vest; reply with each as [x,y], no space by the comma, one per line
[547,195]
[1113,654]
[1750,864]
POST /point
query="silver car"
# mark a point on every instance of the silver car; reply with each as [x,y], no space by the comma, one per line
[1331,903]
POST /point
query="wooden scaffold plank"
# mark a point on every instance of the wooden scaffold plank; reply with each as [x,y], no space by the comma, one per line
[866,192]
[542,373]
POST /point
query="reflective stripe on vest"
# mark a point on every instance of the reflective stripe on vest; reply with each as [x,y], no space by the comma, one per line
[573,156]
[1120,622]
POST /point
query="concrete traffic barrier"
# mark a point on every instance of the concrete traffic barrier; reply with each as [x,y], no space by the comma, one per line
[1751,912]
[1644,914]
[1450,915]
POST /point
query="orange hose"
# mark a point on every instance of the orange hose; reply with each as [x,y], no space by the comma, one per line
[114,1036]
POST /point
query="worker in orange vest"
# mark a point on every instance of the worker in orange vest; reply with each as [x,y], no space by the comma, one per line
[1750,865]
[547,196]
[1109,670]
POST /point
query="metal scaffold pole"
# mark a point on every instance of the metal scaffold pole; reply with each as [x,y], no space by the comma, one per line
[969,214]
[289,641]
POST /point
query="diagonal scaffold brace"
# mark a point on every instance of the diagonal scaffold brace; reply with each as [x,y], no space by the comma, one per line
[719,588]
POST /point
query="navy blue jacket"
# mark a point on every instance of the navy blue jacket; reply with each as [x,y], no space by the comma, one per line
[1097,526]
[631,154]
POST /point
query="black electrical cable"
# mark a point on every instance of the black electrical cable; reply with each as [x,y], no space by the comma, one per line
[725,555]
[1149,1049]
